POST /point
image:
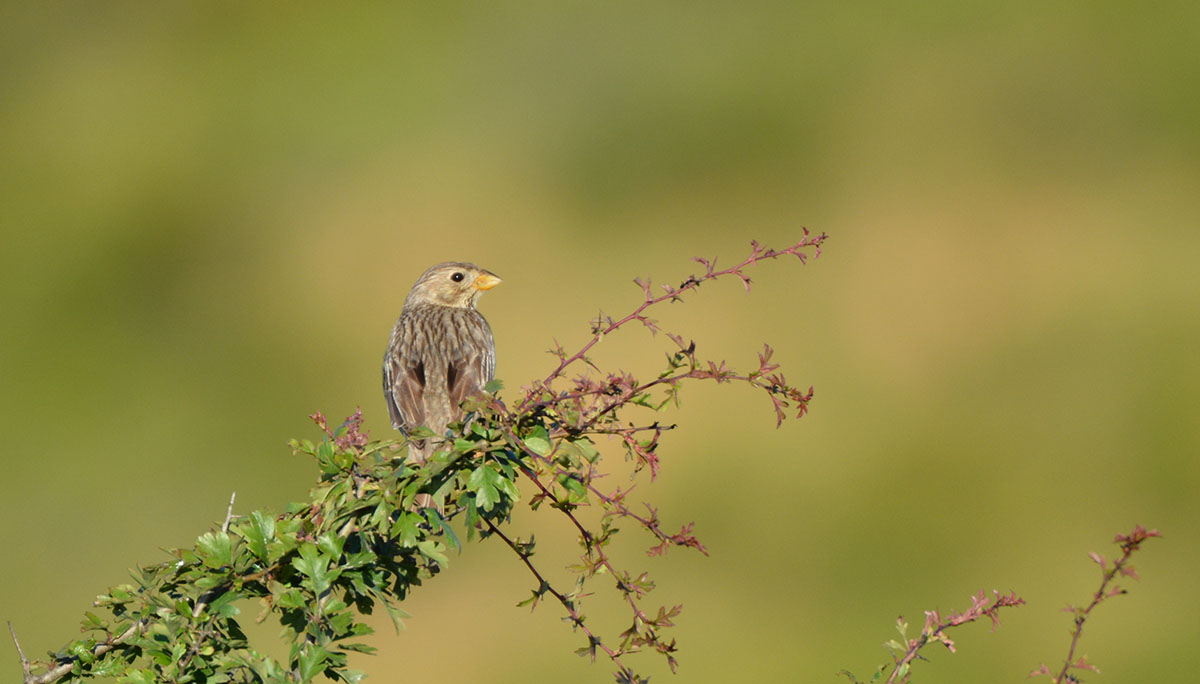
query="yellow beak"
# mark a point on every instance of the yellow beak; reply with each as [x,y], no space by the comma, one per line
[486,281]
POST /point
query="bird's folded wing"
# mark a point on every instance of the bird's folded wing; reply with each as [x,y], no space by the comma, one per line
[468,374]
[404,388]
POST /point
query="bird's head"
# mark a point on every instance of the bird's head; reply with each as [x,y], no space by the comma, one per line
[452,284]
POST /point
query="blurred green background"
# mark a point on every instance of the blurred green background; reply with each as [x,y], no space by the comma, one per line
[212,211]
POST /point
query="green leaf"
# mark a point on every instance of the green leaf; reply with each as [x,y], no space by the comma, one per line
[215,549]
[258,531]
[311,662]
[472,517]
[381,517]
[331,545]
[211,581]
[442,524]
[487,496]
[344,460]
[92,621]
[315,568]
[267,669]
[575,490]
[108,668]
[405,529]
[138,677]
[508,487]
[122,593]
[82,650]
[535,596]
[358,559]
[223,604]
[182,607]
[487,483]
[398,616]
[286,539]
[586,449]
[538,445]
[340,622]
[482,483]
[291,598]
[420,432]
[431,548]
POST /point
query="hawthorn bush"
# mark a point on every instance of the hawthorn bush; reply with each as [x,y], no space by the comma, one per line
[360,541]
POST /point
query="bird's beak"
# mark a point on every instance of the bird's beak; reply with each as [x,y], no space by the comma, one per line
[486,281]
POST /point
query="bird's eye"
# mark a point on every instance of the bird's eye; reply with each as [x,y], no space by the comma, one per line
[457,277]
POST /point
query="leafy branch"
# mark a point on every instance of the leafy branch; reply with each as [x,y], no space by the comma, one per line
[361,541]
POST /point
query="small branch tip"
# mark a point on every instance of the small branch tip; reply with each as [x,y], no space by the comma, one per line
[229,512]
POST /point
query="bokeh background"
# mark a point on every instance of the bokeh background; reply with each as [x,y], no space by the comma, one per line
[211,213]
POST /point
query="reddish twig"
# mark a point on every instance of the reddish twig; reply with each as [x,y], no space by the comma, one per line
[605,325]
[571,410]
[1129,543]
[577,619]
[936,626]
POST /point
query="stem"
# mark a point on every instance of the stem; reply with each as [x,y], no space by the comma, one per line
[757,254]
[1082,616]
[568,604]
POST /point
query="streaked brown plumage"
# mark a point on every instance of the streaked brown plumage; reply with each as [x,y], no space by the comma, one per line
[440,352]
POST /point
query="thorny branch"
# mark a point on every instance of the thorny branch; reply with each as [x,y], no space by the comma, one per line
[589,405]
[603,325]
[544,587]
[935,630]
[1129,543]
[361,542]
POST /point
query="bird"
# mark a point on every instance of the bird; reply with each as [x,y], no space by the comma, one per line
[440,352]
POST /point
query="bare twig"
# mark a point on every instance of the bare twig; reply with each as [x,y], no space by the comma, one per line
[544,586]
[24,660]
[229,512]
[208,596]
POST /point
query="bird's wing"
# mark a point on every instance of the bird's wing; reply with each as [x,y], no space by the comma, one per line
[404,377]
[474,364]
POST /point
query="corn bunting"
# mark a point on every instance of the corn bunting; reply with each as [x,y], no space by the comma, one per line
[440,352]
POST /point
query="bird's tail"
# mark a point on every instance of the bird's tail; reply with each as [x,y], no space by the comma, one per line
[418,453]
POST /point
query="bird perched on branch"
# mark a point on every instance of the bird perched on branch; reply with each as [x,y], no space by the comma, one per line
[440,352]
